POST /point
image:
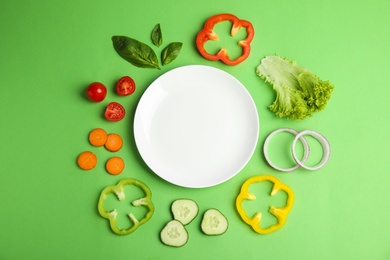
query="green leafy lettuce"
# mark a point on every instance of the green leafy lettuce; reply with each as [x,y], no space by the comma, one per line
[299,92]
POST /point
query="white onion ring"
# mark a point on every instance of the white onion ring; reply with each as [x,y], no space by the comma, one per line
[294,132]
[325,147]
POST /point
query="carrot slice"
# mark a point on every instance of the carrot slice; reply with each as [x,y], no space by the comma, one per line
[114,142]
[97,137]
[115,165]
[87,160]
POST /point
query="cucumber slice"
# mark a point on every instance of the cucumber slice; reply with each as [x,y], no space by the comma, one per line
[214,223]
[184,210]
[174,234]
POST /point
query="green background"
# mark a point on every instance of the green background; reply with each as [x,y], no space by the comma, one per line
[51,50]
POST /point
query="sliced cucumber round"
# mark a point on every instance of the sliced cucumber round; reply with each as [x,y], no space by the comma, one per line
[214,223]
[174,234]
[184,210]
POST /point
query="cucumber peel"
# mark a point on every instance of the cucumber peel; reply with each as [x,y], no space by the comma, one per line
[184,210]
[174,234]
[214,223]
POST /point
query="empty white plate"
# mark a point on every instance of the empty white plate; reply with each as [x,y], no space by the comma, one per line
[196,126]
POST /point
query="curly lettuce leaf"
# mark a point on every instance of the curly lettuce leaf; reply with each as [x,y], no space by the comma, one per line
[298,90]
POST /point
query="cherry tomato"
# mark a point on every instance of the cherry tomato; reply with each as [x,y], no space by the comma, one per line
[125,86]
[96,92]
[114,112]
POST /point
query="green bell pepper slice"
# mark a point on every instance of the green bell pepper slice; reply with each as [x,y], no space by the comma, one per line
[118,190]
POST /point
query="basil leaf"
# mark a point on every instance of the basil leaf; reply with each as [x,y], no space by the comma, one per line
[157,35]
[137,53]
[170,52]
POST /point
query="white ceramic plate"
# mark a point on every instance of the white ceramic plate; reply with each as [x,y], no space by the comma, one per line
[196,126]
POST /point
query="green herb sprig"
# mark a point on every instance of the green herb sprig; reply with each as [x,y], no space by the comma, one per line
[142,55]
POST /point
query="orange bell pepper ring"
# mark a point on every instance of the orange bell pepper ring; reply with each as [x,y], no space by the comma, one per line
[207,33]
[279,213]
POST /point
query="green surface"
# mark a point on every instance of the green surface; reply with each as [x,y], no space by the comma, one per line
[51,50]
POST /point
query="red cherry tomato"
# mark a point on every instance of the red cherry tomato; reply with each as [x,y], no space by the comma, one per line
[125,86]
[114,112]
[96,92]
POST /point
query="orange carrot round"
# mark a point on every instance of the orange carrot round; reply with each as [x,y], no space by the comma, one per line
[87,160]
[115,165]
[114,142]
[97,137]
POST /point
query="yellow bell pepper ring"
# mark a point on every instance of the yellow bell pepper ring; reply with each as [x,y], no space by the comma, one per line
[280,213]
